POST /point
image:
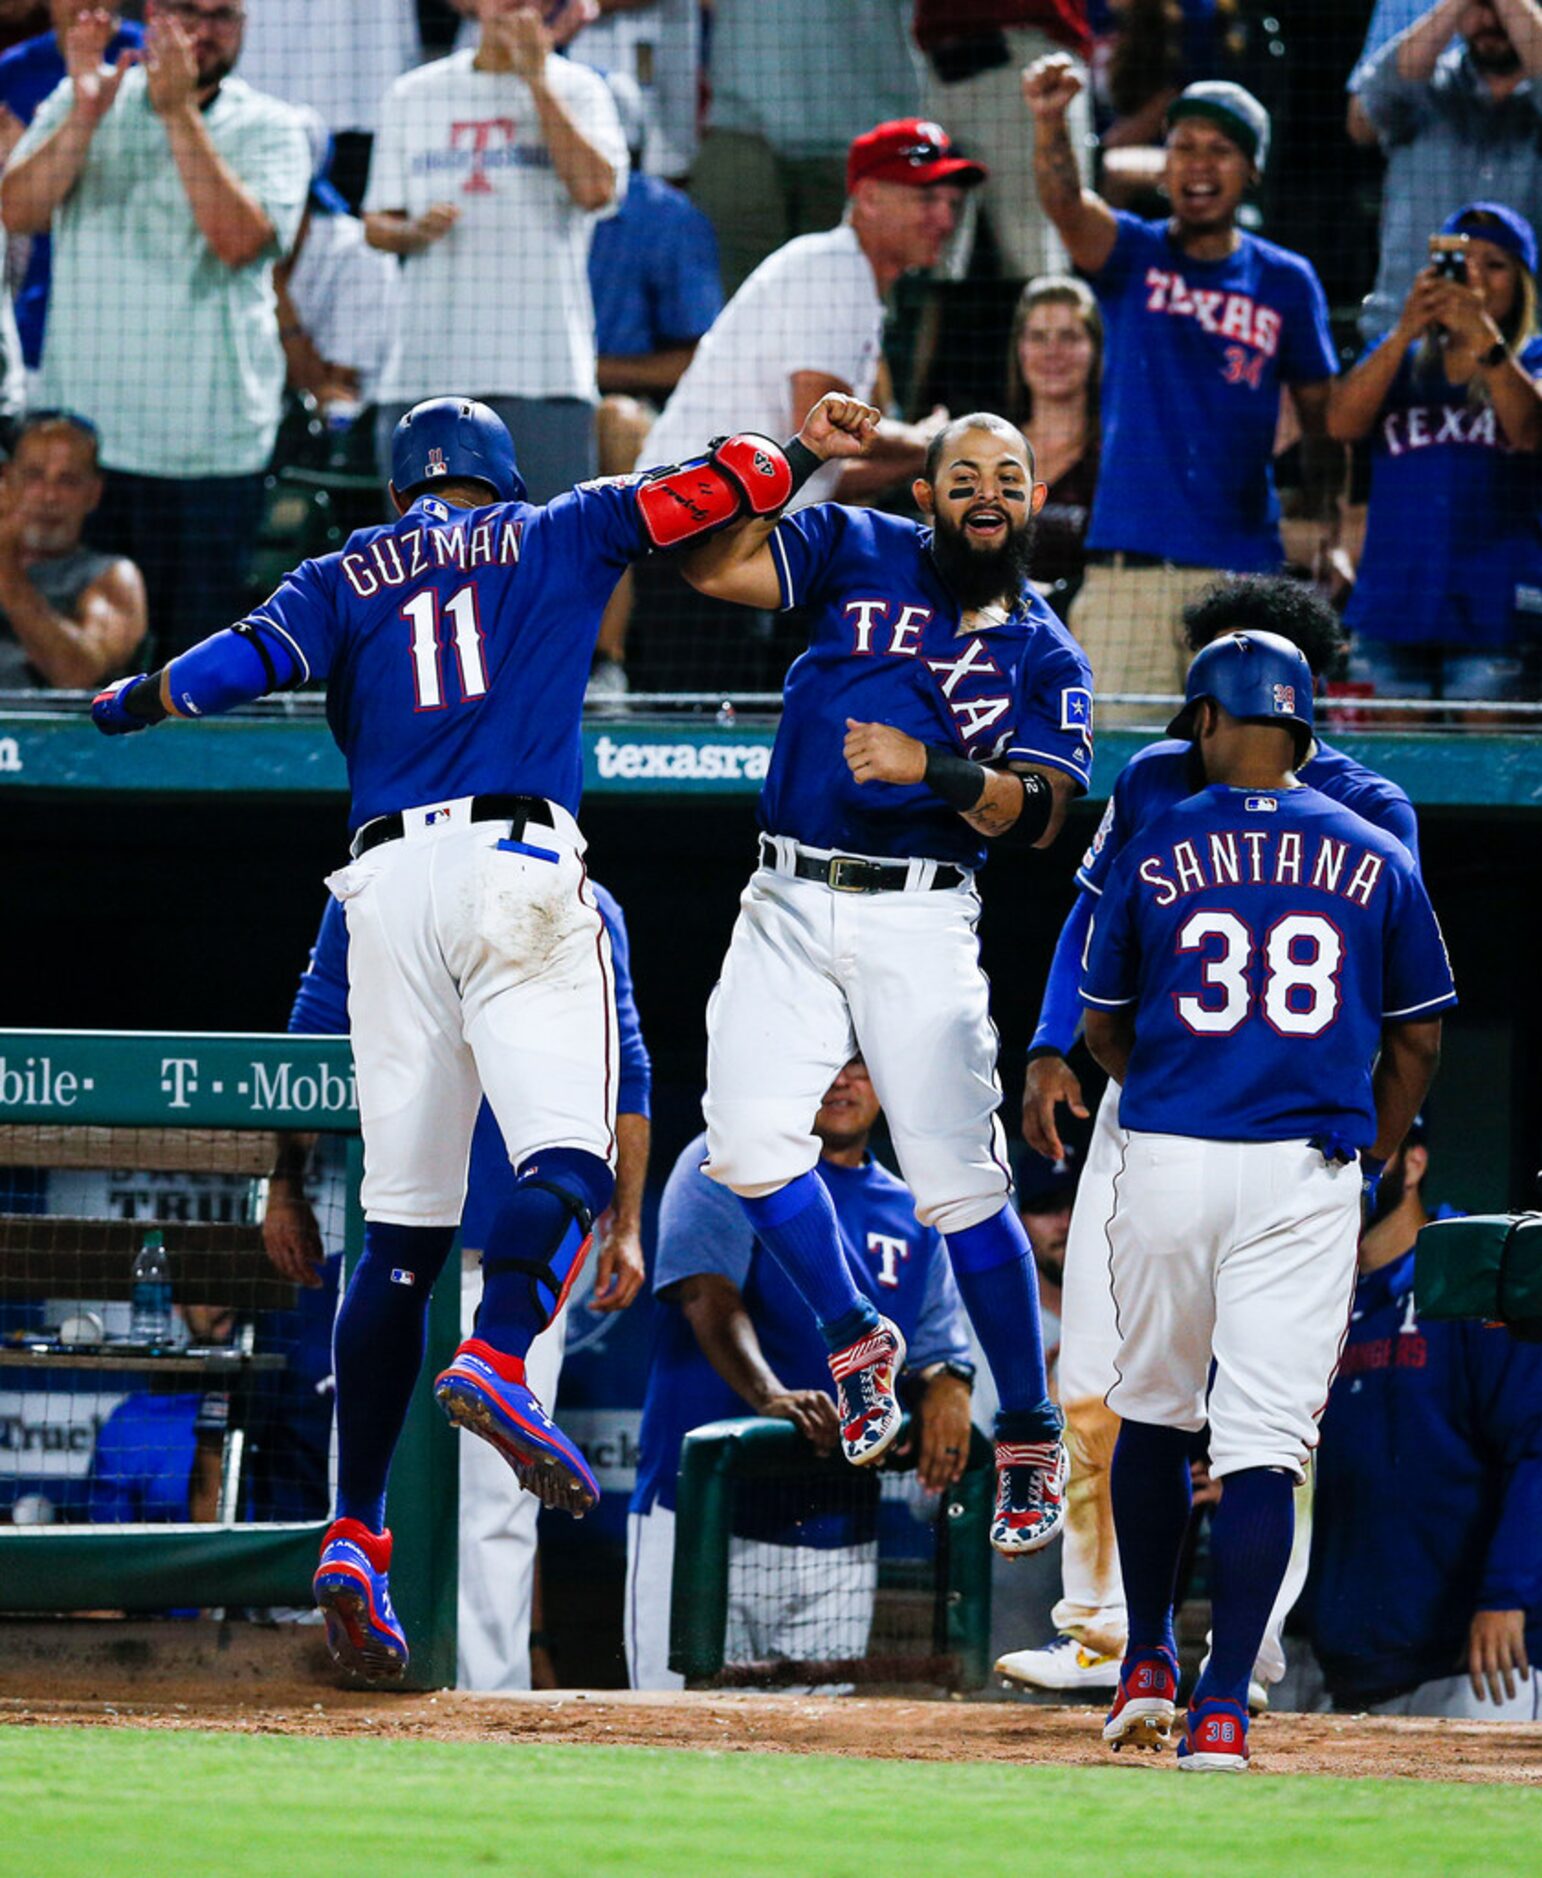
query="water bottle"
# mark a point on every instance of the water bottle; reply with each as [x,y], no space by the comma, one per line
[150,1319]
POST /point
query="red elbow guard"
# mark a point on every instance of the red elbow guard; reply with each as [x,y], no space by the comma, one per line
[698,498]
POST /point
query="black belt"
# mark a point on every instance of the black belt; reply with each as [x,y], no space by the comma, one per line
[517,810]
[847,874]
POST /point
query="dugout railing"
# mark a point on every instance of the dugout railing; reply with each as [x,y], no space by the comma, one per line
[752,1456]
[69,1096]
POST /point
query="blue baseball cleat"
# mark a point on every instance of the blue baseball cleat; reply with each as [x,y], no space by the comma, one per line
[354,1596]
[1215,1738]
[484,1391]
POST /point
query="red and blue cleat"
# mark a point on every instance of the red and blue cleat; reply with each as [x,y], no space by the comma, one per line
[866,1374]
[1147,1702]
[1030,1495]
[1215,1738]
[484,1391]
[354,1596]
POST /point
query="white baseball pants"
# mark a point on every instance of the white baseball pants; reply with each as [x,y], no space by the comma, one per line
[811,976]
[1240,1251]
[475,966]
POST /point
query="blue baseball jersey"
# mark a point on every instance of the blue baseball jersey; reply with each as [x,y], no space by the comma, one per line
[901,1265]
[321,1008]
[1154,780]
[1443,475]
[653,271]
[1263,937]
[1197,353]
[1429,1477]
[455,644]
[886,647]
[1161,775]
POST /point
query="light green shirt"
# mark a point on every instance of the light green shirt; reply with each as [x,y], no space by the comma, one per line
[174,356]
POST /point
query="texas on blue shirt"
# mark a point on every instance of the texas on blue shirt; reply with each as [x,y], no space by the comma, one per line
[1442,475]
[456,643]
[653,271]
[901,1265]
[321,1008]
[1196,355]
[1264,937]
[1429,1493]
[885,647]
[28,73]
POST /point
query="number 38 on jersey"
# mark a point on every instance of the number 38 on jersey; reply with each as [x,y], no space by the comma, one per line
[1289,974]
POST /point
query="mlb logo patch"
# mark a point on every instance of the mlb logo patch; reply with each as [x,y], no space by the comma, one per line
[1284,700]
[436,465]
[401,1277]
[431,816]
[1076,709]
[1260,805]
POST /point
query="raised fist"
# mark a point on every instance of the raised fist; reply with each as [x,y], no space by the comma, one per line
[1049,85]
[839,425]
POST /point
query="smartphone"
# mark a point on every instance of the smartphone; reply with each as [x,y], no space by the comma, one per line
[1448,256]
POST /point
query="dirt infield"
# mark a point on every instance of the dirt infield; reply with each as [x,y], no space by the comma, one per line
[784,1724]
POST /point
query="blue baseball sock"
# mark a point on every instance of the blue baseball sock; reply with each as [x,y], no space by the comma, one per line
[797,1226]
[1250,1538]
[1151,1495]
[377,1351]
[993,1263]
[537,1243]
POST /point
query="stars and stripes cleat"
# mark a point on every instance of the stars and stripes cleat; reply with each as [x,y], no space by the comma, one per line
[1215,1738]
[1064,1665]
[484,1391]
[1146,1704]
[354,1597]
[1030,1495]
[865,1375]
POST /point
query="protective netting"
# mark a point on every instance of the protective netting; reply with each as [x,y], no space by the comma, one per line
[599,221]
[837,1581]
[155,1366]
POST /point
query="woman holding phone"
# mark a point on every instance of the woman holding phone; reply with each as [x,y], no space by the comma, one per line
[1448,600]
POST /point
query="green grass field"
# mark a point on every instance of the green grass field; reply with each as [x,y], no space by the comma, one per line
[132,1803]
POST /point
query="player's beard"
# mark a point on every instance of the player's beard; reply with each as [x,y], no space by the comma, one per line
[977,576]
[1494,54]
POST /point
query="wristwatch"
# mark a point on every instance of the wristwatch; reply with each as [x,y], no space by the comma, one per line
[1497,353]
[964,1372]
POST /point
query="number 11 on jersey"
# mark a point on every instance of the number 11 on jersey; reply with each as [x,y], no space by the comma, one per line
[422,614]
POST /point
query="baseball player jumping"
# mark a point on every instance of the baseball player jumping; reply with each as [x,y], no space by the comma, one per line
[1090,1616]
[1264,980]
[939,704]
[455,644]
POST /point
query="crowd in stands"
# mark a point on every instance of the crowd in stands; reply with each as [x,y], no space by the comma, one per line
[631,224]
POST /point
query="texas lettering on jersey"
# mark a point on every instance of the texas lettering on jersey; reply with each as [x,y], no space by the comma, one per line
[1423,425]
[973,686]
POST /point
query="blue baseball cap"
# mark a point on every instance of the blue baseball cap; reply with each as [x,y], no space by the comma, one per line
[1493,221]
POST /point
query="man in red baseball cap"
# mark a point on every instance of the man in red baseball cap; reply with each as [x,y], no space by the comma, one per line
[809,320]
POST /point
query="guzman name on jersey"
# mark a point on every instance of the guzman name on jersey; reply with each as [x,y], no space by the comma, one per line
[398,559]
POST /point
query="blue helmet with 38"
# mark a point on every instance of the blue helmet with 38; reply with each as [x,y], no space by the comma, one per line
[1254,675]
[446,438]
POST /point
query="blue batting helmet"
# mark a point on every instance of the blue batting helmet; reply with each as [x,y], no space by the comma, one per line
[450,437]
[1254,675]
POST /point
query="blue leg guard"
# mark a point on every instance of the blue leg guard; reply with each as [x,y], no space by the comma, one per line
[536,1245]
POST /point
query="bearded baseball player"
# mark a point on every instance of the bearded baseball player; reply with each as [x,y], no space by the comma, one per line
[455,645]
[1090,1617]
[939,704]
[1264,980]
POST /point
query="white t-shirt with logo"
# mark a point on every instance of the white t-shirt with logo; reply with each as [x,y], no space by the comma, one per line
[500,306]
[813,306]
